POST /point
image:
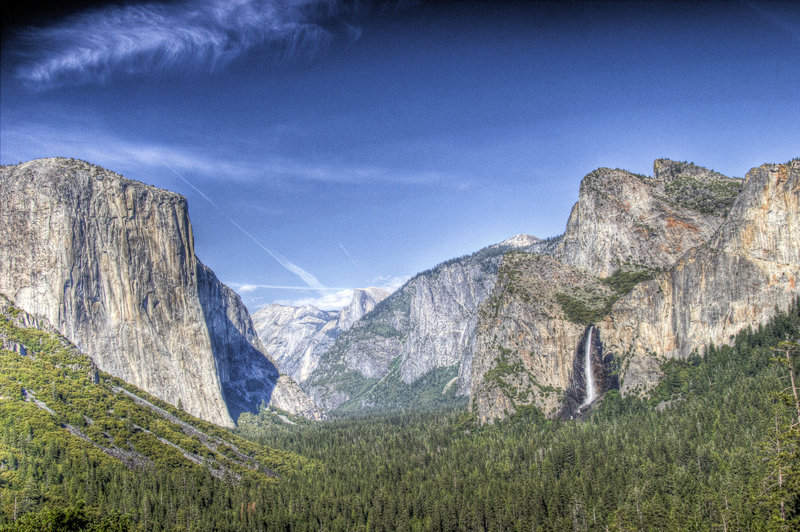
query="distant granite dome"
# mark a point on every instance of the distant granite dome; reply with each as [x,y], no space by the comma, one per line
[298,336]
[111,263]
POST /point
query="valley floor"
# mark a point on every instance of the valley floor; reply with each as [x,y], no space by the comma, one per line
[712,448]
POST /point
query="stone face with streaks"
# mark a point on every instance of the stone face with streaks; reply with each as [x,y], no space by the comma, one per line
[428,324]
[624,219]
[110,263]
[526,344]
[724,254]
[750,267]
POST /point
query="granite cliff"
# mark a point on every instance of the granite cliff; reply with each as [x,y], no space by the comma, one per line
[747,270]
[668,263]
[415,347]
[625,219]
[646,264]
[527,343]
[298,336]
[648,268]
[110,263]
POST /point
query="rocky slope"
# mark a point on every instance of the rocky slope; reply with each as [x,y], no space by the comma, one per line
[627,219]
[750,268]
[298,336]
[422,333]
[710,278]
[110,263]
[526,343]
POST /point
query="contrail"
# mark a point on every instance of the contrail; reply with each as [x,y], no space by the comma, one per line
[191,185]
[308,278]
[348,256]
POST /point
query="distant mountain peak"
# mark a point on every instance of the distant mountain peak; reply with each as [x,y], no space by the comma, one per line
[297,336]
[520,241]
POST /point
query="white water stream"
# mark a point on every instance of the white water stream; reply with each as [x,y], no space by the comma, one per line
[588,373]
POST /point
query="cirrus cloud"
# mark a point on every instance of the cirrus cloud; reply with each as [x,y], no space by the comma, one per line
[199,35]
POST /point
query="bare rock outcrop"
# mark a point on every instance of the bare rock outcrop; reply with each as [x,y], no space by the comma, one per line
[722,255]
[526,343]
[747,270]
[427,326]
[110,263]
[625,219]
[296,336]
[299,336]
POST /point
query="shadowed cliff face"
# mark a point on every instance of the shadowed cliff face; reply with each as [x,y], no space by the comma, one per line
[246,373]
[110,262]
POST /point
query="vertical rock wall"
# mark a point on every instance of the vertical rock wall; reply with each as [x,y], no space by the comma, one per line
[110,263]
[748,269]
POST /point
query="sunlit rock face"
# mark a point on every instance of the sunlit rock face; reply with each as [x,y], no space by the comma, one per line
[723,254]
[427,325]
[526,344]
[111,263]
[623,218]
[298,336]
[747,270]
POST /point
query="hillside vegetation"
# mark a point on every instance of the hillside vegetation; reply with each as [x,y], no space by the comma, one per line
[702,452]
[713,447]
[75,436]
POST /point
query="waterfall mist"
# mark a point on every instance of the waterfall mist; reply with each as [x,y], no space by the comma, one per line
[588,371]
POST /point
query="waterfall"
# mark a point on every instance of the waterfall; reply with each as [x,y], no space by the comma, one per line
[588,372]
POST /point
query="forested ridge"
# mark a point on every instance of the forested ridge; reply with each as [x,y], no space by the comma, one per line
[714,447]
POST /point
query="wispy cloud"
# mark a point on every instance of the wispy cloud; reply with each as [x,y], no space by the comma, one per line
[200,35]
[333,301]
[96,145]
[247,288]
[103,147]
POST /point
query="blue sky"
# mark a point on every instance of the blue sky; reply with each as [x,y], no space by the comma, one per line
[328,145]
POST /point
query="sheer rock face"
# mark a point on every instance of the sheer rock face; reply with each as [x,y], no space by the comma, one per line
[427,324]
[525,344]
[623,218]
[298,336]
[110,262]
[717,278]
[364,300]
[749,268]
